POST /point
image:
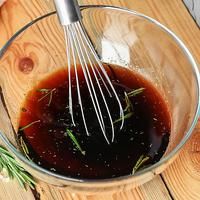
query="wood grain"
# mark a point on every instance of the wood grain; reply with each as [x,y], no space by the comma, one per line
[185,171]
[11,190]
[183,176]
[147,191]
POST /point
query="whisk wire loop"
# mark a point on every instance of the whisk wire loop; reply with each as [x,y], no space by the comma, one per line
[68,45]
[77,78]
[79,48]
[88,79]
[92,50]
[99,86]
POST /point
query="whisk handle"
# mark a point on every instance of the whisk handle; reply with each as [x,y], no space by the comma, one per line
[68,11]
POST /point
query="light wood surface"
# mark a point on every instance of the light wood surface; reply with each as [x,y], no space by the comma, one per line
[182,179]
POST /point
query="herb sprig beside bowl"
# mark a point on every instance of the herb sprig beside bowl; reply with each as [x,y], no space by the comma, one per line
[14,170]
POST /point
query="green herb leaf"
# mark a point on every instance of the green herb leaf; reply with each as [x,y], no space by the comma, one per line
[24,147]
[14,170]
[128,115]
[129,106]
[135,92]
[140,162]
[74,140]
[49,92]
[28,125]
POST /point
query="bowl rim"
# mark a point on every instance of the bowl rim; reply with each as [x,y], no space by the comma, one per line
[190,58]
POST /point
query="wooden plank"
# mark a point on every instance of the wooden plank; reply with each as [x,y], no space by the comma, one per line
[23,11]
[183,176]
[11,190]
[31,10]
[154,189]
[13,16]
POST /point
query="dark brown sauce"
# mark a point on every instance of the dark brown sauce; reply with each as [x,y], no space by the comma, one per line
[145,133]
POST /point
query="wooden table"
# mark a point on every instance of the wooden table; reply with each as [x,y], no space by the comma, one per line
[182,179]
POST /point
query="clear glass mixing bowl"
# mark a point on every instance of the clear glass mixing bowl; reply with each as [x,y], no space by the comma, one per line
[123,37]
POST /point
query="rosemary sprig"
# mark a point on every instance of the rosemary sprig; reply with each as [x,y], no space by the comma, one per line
[14,170]
[28,125]
[140,162]
[128,109]
[129,106]
[49,92]
[74,140]
[126,116]
[135,92]
[24,147]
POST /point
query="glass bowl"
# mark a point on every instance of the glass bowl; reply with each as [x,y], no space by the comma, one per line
[120,36]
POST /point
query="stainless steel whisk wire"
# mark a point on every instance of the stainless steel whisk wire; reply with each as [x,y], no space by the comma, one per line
[79,46]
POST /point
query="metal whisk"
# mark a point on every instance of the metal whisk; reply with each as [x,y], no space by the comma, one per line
[79,46]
